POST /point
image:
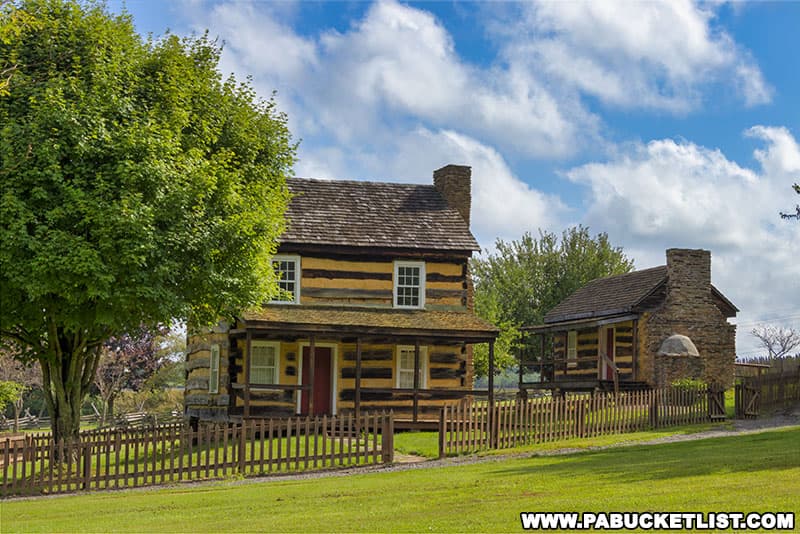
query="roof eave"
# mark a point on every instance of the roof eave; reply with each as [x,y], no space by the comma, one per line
[467,336]
[379,246]
[579,323]
[722,297]
[585,315]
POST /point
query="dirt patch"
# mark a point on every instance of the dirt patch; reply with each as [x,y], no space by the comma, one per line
[408,458]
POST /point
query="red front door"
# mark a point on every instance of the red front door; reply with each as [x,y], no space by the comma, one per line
[609,371]
[322,381]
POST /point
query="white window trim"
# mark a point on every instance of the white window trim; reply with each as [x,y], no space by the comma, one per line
[334,371]
[422,283]
[297,277]
[572,349]
[213,384]
[277,346]
[423,365]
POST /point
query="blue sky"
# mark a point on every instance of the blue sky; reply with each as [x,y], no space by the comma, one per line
[669,124]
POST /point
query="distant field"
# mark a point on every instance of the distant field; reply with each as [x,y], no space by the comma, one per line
[758,472]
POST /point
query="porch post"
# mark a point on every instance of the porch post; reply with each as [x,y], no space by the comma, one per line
[358,379]
[310,390]
[491,395]
[541,357]
[249,347]
[635,349]
[416,379]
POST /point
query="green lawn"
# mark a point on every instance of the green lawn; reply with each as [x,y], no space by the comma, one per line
[426,444]
[759,472]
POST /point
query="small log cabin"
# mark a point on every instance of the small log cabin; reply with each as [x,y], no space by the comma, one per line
[613,332]
[375,310]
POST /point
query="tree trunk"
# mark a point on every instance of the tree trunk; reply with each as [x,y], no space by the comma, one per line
[17,409]
[108,409]
[68,369]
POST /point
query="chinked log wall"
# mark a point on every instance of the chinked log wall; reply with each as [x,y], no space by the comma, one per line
[370,283]
[339,281]
[588,348]
[199,402]
[445,379]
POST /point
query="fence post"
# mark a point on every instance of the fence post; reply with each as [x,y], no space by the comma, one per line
[87,464]
[442,431]
[654,408]
[242,442]
[387,438]
[580,415]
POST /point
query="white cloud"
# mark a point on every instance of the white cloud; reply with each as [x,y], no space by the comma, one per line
[257,41]
[396,64]
[678,194]
[502,205]
[658,54]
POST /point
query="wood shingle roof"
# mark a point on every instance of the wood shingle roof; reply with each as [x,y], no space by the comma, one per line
[608,296]
[621,294]
[373,214]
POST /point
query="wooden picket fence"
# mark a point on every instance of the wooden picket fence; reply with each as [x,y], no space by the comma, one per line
[172,453]
[759,394]
[465,428]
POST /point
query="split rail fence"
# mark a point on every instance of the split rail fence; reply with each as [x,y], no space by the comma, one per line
[465,428]
[759,394]
[121,458]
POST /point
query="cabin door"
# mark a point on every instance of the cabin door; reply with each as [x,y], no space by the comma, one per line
[608,371]
[322,381]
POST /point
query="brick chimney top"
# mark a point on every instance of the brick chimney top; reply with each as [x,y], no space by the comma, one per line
[454,183]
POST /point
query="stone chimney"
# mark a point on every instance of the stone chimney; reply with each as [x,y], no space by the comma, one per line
[689,276]
[454,182]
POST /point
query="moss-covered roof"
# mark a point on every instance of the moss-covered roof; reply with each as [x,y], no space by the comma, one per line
[369,321]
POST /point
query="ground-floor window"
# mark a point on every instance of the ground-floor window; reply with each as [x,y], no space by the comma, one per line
[405,367]
[265,362]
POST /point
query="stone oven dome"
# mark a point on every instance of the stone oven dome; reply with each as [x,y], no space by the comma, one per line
[678,345]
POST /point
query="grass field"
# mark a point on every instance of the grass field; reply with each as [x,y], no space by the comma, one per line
[426,444]
[759,472]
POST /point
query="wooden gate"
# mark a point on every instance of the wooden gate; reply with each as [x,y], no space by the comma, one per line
[747,400]
[716,403]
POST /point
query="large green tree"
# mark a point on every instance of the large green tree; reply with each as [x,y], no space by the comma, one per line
[138,186]
[524,279]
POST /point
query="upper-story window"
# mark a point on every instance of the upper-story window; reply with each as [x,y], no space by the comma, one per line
[287,269]
[409,284]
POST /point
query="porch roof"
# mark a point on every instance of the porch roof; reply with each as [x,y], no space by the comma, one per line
[353,321]
[578,324]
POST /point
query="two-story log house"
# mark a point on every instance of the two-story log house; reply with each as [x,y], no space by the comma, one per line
[375,309]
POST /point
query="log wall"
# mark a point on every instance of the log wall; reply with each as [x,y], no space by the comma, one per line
[199,403]
[330,281]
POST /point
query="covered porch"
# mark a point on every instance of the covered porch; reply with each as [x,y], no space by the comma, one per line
[337,360]
[582,355]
